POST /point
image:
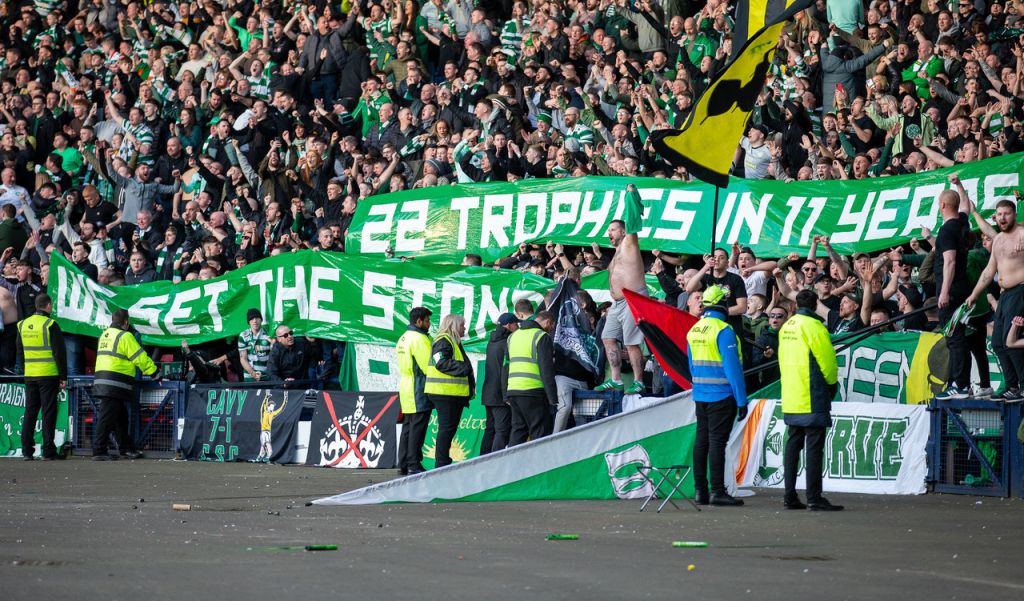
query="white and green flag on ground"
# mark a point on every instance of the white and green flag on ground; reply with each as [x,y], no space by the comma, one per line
[595,461]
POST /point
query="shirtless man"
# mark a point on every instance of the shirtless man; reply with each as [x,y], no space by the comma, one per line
[1008,260]
[626,271]
[8,339]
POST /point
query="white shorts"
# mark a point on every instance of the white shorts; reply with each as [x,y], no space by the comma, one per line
[621,326]
[264,437]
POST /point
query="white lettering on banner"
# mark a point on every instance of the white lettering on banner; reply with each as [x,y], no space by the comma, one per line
[1007,181]
[403,243]
[295,293]
[883,215]
[261,279]
[971,185]
[724,216]
[753,218]
[872,376]
[81,299]
[319,296]
[673,212]
[496,220]
[452,291]
[598,217]
[795,203]
[538,202]
[148,309]
[858,219]
[817,206]
[559,201]
[179,312]
[489,310]
[654,195]
[464,205]
[922,194]
[370,240]
[420,288]
[214,290]
[385,302]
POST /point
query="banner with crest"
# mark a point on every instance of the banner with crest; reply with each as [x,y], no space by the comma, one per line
[354,430]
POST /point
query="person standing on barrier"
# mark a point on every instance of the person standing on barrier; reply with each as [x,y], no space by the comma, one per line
[718,390]
[450,383]
[951,281]
[1008,262]
[118,354]
[413,351]
[40,346]
[499,414]
[807,363]
[532,391]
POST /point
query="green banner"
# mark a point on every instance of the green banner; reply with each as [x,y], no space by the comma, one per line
[12,414]
[772,217]
[323,295]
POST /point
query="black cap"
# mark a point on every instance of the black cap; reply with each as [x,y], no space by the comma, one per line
[822,276]
[913,296]
[507,319]
[253,314]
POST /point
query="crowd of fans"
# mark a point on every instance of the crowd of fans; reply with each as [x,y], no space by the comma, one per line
[179,140]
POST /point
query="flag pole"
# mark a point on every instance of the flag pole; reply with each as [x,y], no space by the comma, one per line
[714,221]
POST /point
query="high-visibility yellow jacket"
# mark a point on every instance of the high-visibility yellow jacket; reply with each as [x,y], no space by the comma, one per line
[118,354]
[455,381]
[36,334]
[413,350]
[523,368]
[715,365]
[808,368]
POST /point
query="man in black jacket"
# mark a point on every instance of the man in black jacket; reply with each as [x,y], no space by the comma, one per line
[290,358]
[531,405]
[499,414]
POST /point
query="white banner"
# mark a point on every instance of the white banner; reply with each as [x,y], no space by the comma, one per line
[871,448]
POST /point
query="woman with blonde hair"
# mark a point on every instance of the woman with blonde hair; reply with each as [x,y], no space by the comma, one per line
[450,383]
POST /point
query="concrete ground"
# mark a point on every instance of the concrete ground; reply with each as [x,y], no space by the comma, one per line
[82,530]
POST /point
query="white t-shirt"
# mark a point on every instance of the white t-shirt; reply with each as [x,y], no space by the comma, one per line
[757,282]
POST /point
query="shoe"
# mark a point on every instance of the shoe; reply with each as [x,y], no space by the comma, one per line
[794,505]
[608,385]
[403,471]
[952,393]
[415,470]
[702,498]
[132,455]
[49,458]
[28,458]
[104,457]
[823,505]
[725,500]
[983,393]
[1015,398]
[635,388]
[1010,395]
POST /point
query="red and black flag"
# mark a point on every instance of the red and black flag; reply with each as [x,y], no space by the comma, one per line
[665,330]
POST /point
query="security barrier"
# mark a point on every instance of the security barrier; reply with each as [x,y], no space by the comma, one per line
[973,448]
[153,414]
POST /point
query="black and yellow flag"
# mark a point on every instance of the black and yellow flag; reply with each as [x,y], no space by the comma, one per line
[707,142]
[754,15]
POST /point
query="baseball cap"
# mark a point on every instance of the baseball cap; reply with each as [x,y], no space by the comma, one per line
[506,319]
[714,295]
[820,277]
[861,254]
[854,297]
[913,296]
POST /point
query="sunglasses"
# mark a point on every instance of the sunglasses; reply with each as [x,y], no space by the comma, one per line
[812,269]
[285,335]
[777,316]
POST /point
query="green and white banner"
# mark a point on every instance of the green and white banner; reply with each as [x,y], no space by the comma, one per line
[872,448]
[772,217]
[595,461]
[323,295]
[12,415]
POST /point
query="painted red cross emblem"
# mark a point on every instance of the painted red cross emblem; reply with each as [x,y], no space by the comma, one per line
[354,444]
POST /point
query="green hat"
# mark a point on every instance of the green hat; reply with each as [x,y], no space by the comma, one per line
[545,117]
[714,295]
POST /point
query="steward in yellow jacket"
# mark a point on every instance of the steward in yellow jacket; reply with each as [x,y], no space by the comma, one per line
[807,365]
[40,348]
[413,352]
[118,354]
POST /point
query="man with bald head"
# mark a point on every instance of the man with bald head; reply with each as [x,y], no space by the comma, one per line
[951,246]
[10,192]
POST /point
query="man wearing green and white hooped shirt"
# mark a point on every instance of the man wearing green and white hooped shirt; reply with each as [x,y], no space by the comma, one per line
[138,139]
[254,347]
[575,129]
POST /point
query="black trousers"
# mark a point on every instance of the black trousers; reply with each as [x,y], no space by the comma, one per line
[714,423]
[113,419]
[8,346]
[976,346]
[813,438]
[449,414]
[531,419]
[956,342]
[40,397]
[497,429]
[1011,304]
[414,432]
